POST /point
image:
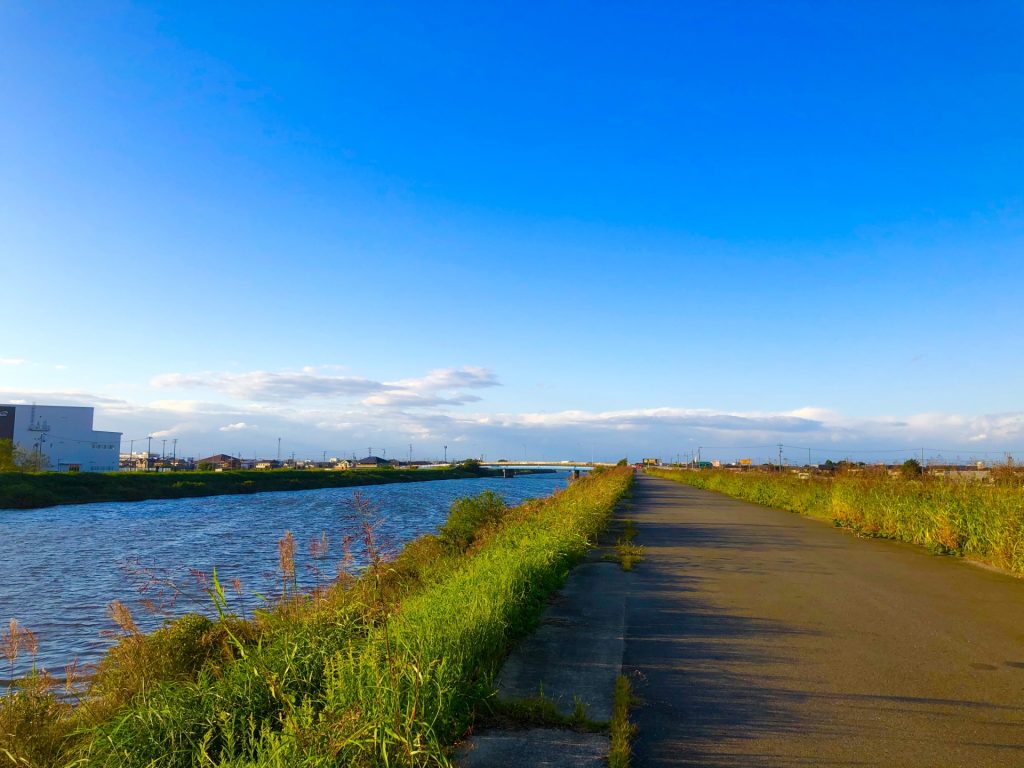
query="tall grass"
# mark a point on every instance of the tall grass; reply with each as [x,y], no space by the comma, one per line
[386,669]
[982,521]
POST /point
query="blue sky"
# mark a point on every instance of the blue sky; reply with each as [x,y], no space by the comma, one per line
[620,228]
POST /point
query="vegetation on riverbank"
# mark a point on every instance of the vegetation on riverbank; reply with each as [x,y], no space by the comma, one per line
[385,669]
[983,521]
[28,490]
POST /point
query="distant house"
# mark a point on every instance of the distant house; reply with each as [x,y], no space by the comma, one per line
[268,464]
[342,464]
[374,462]
[221,461]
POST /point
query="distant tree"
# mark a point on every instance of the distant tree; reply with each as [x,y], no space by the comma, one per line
[469,465]
[28,460]
[911,468]
[622,463]
[7,455]
[15,458]
[204,466]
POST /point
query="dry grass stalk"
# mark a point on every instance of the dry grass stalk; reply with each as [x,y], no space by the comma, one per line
[12,642]
[286,560]
[121,615]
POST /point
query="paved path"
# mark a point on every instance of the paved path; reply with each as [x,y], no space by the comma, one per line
[760,638]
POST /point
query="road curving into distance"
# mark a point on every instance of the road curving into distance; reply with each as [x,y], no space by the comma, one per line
[756,637]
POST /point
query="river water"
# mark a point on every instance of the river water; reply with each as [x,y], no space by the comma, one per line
[60,567]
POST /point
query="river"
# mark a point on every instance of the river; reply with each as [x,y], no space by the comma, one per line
[61,566]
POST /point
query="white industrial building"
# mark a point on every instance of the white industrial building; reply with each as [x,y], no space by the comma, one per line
[63,435]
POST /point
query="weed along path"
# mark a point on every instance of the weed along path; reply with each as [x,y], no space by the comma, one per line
[758,637]
[558,692]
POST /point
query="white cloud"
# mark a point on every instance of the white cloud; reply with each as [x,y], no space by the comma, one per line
[314,410]
[11,361]
[440,387]
[646,418]
[269,386]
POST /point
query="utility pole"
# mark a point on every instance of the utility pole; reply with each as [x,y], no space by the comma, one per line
[780,457]
[149,449]
[131,455]
[175,443]
[279,449]
[163,450]
[446,454]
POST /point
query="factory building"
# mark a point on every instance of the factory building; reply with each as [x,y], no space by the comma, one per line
[62,435]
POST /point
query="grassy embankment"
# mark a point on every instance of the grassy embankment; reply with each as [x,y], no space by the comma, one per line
[981,521]
[386,669]
[26,490]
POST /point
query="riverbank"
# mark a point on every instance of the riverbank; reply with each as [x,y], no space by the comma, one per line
[23,490]
[976,520]
[386,669]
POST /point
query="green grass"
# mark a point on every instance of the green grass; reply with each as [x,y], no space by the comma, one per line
[388,669]
[24,490]
[983,521]
[622,730]
[628,552]
[535,712]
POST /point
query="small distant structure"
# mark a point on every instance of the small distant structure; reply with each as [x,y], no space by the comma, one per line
[651,462]
[268,464]
[221,461]
[374,462]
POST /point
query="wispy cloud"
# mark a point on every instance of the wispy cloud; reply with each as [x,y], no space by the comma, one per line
[440,387]
[269,386]
[11,361]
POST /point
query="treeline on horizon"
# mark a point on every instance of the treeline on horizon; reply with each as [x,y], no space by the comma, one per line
[30,490]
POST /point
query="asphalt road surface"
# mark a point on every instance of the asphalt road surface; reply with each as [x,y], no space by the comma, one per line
[756,637]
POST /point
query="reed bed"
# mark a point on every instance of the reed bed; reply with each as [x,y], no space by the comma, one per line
[385,669]
[982,521]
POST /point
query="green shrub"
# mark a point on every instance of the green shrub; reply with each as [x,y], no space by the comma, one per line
[468,517]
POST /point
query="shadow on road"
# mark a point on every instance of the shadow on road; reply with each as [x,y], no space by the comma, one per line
[721,685]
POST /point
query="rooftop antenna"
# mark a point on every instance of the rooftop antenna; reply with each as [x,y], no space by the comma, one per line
[42,428]
[34,424]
